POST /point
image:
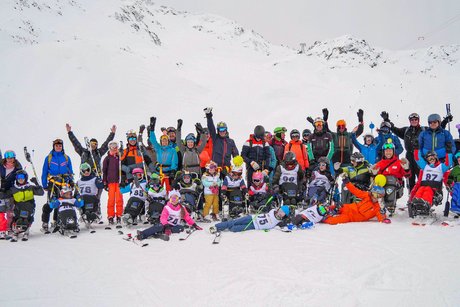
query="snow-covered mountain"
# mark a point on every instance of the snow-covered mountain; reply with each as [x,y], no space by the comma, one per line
[97,63]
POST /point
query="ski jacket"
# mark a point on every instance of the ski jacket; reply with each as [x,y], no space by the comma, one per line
[172,215]
[392,167]
[369,151]
[366,207]
[223,147]
[77,202]
[409,135]
[300,151]
[133,156]
[273,161]
[166,155]
[432,175]
[7,180]
[438,140]
[206,154]
[111,169]
[256,151]
[191,156]
[343,147]
[278,147]
[24,193]
[55,164]
[454,175]
[320,144]
[211,183]
[90,185]
[360,175]
[87,155]
[381,139]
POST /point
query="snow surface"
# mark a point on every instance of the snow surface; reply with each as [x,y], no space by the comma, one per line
[96,63]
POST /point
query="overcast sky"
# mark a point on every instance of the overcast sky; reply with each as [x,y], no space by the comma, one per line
[390,24]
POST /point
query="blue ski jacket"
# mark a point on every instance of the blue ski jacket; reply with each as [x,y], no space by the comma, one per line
[369,152]
[56,163]
[438,140]
[166,155]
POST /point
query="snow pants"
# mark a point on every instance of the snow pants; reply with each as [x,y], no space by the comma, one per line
[455,203]
[115,197]
[237,225]
[46,210]
[426,193]
[211,201]
[6,213]
[348,213]
[158,228]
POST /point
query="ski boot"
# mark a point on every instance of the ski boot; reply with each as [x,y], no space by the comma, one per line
[212,229]
[118,226]
[14,238]
[25,236]
[45,229]
[214,217]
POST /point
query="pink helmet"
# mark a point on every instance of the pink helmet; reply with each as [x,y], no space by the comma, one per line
[137,170]
[258,176]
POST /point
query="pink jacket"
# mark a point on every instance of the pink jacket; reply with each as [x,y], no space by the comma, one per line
[172,215]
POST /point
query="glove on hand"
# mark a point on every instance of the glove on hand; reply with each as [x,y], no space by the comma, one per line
[360,115]
[254,165]
[153,120]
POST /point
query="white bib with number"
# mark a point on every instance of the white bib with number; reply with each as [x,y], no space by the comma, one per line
[288,175]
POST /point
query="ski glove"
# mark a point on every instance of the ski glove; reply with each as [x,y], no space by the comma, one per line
[405,163]
[141,129]
[179,124]
[197,227]
[255,166]
[325,114]
[386,221]
[457,126]
[385,116]
[153,120]
[310,120]
[360,115]
[199,128]
[208,111]
[34,180]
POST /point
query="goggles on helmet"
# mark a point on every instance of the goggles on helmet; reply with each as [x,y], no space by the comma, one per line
[9,154]
[58,142]
[413,116]
[20,176]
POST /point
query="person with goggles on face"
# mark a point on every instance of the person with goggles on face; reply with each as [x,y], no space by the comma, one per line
[90,187]
[298,148]
[223,146]
[436,139]
[390,165]
[366,209]
[93,154]
[57,172]
[320,142]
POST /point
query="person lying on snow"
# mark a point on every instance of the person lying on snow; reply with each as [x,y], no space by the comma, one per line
[368,208]
[275,217]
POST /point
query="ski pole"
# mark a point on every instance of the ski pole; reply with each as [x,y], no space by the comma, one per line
[269,200]
[448,113]
[29,159]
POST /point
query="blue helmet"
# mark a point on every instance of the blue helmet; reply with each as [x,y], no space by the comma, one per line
[285,209]
[190,137]
[457,155]
[378,190]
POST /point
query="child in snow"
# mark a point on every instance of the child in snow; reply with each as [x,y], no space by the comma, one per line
[233,192]
[156,198]
[170,221]
[321,182]
[368,208]
[211,182]
[289,179]
[111,178]
[189,186]
[309,217]
[275,217]
[430,178]
[24,204]
[137,198]
[89,186]
[67,215]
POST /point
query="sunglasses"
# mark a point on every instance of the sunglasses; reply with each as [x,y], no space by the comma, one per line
[9,155]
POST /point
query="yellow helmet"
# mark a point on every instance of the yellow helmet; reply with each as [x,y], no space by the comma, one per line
[238,161]
[380,180]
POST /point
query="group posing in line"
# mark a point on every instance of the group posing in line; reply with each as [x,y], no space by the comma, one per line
[172,182]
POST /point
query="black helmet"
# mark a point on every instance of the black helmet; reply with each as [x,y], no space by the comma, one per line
[306,132]
[21,174]
[357,157]
[259,132]
[294,133]
[434,118]
[289,157]
[431,154]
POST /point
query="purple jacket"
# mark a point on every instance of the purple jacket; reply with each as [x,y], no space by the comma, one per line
[110,169]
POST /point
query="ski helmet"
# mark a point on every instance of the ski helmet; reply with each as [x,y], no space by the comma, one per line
[137,170]
[237,170]
[431,154]
[318,121]
[186,177]
[306,133]
[113,145]
[257,177]
[414,116]
[58,142]
[388,145]
[377,191]
[324,160]
[341,122]
[211,165]
[66,189]
[294,133]
[285,209]
[385,127]
[368,136]
[289,157]
[221,127]
[279,130]
[9,154]
[84,167]
[259,132]
[174,197]
[131,135]
[190,137]
[357,157]
[457,155]
[268,135]
[21,174]
[170,129]
[155,180]
[434,118]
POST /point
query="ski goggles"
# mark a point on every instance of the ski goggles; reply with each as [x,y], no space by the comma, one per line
[58,142]
[322,164]
[132,138]
[376,195]
[256,180]
[322,210]
[9,154]
[295,135]
[222,129]
[388,146]
[20,177]
[85,170]
[414,116]
[113,145]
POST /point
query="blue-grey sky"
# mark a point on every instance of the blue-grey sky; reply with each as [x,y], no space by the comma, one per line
[390,24]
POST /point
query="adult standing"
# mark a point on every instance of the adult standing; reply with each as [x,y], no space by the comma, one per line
[56,173]
[279,143]
[320,142]
[256,154]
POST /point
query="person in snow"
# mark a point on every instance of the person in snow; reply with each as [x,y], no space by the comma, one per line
[383,137]
[289,179]
[279,143]
[24,204]
[368,149]
[223,146]
[190,151]
[167,159]
[273,161]
[305,135]
[320,182]
[156,198]
[366,209]
[133,156]
[9,167]
[174,140]
[359,175]
[170,221]
[111,177]
[93,155]
[437,139]
[453,185]
[57,172]
[66,205]
[137,199]
[320,142]
[256,154]
[90,187]
[206,153]
[390,165]
[211,182]
[298,148]
[275,217]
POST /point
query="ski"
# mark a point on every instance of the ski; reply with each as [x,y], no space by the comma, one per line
[189,231]
[108,228]
[14,238]
[217,237]
[132,239]
[46,232]
[120,232]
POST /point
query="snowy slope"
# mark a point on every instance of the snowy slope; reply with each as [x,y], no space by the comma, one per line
[95,63]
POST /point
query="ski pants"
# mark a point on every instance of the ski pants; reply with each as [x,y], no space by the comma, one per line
[211,201]
[348,213]
[46,210]
[426,193]
[6,213]
[237,225]
[158,228]
[414,170]
[115,197]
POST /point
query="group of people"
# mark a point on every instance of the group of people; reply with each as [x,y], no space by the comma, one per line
[170,179]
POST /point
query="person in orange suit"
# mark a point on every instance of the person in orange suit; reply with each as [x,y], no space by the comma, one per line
[362,211]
